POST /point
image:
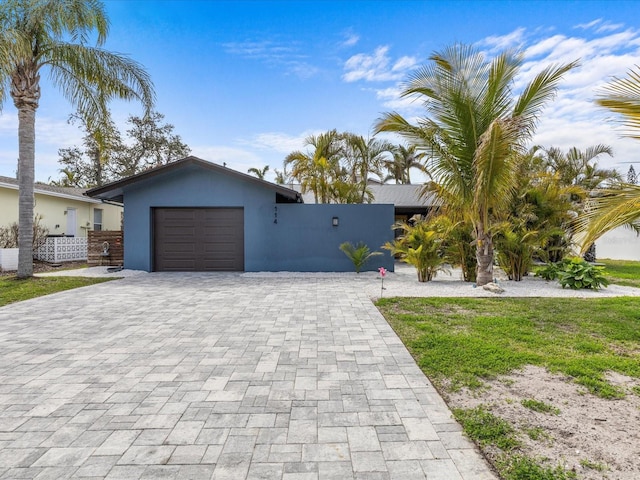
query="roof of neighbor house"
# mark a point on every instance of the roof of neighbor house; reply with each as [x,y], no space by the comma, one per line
[403,196]
[51,190]
[114,191]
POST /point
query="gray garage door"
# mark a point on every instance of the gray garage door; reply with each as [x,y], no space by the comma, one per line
[198,239]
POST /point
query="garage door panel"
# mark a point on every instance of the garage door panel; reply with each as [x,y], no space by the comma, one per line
[198,239]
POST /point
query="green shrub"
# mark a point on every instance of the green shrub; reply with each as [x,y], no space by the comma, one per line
[575,273]
[550,271]
[578,274]
[359,254]
[421,245]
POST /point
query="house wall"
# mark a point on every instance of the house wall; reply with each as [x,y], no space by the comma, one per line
[619,244]
[53,208]
[302,240]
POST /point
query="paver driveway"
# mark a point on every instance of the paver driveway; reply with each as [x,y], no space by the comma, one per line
[222,376]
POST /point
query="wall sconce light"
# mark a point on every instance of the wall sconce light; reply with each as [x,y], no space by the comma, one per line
[57,226]
[65,212]
[335,221]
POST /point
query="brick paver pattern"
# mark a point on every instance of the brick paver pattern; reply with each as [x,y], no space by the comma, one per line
[218,376]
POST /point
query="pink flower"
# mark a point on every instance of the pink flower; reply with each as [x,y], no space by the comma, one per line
[383,271]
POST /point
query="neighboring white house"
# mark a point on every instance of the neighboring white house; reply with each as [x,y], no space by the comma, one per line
[64,211]
[619,244]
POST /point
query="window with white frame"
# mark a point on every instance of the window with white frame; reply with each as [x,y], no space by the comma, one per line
[97,219]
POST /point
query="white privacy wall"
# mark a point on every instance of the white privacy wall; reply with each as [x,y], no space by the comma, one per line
[619,244]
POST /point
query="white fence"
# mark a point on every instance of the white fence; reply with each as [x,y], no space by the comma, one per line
[62,249]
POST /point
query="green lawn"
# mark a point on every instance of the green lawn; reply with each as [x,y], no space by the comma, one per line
[468,340]
[464,341]
[622,272]
[13,290]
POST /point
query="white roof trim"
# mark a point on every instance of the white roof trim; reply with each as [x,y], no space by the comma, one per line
[52,194]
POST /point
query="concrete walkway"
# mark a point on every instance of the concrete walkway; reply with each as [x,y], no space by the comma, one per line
[218,376]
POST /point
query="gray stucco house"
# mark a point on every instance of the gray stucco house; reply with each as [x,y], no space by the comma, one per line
[194,215]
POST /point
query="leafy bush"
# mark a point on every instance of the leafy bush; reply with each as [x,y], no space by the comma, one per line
[420,246]
[575,273]
[458,246]
[359,254]
[578,274]
[515,247]
[550,271]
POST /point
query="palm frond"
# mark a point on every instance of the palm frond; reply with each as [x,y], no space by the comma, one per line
[494,166]
[538,92]
[613,208]
[90,77]
[622,96]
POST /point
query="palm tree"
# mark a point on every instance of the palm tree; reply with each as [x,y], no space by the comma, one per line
[473,131]
[618,206]
[364,156]
[316,169]
[578,168]
[259,172]
[39,34]
[404,159]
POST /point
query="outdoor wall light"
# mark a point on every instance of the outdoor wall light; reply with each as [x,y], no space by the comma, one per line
[335,221]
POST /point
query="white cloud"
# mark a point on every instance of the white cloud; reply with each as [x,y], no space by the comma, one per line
[392,99]
[609,27]
[287,56]
[351,40]
[591,24]
[573,119]
[281,142]
[377,67]
[503,42]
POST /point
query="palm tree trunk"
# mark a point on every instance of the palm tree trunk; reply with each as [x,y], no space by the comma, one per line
[25,92]
[26,178]
[484,256]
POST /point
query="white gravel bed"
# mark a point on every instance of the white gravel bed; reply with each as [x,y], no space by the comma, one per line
[403,283]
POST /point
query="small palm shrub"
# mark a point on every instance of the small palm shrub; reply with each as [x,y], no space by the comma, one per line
[359,254]
[420,246]
[515,248]
[459,249]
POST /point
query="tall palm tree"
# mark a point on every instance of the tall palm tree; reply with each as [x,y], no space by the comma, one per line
[53,34]
[315,169]
[404,159]
[578,167]
[619,206]
[364,156]
[473,131]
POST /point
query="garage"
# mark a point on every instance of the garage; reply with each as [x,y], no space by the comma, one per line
[195,216]
[198,239]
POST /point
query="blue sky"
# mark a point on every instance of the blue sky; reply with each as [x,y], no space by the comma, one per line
[244,82]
